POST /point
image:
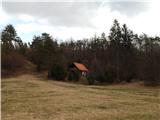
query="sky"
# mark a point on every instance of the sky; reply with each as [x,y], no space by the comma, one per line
[78,19]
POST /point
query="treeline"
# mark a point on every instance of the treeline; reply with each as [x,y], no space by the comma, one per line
[123,56]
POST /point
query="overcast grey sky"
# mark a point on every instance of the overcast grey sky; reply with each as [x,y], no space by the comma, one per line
[79,18]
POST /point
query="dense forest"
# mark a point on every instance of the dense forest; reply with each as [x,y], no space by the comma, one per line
[121,56]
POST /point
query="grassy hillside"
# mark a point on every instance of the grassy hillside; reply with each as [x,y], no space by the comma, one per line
[29,97]
[24,68]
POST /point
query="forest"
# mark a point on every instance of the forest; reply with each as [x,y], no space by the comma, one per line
[120,56]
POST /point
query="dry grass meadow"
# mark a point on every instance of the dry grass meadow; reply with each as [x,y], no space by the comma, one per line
[29,97]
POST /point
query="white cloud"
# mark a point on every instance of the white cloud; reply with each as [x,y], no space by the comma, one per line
[4,18]
[145,22]
[148,22]
[57,13]
[81,23]
[58,32]
[104,19]
[26,18]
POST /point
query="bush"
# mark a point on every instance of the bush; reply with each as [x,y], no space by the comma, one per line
[91,79]
[106,77]
[109,77]
[74,75]
[57,72]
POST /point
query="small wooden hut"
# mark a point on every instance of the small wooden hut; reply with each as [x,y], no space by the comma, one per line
[77,68]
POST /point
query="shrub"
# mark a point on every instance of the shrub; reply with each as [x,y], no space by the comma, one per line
[57,72]
[74,75]
[91,79]
[109,77]
[104,77]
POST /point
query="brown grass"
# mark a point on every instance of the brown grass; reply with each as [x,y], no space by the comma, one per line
[29,97]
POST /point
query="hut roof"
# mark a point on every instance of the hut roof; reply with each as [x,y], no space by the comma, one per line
[80,66]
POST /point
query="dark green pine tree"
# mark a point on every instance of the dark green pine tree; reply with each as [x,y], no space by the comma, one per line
[127,37]
[8,36]
[115,37]
[44,51]
[50,50]
[127,54]
[37,52]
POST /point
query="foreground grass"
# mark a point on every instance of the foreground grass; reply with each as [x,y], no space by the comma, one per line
[30,98]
